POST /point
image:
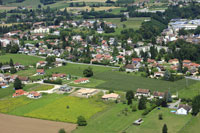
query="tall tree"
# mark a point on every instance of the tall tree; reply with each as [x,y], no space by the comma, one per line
[17,84]
[142,103]
[164,129]
[129,96]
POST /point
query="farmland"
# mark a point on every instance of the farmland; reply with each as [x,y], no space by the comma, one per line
[191,91]
[106,78]
[52,107]
[20,58]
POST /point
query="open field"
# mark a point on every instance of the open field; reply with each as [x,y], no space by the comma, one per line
[152,124]
[57,110]
[190,91]
[20,58]
[4,92]
[16,124]
[110,120]
[7,7]
[134,23]
[192,126]
[108,79]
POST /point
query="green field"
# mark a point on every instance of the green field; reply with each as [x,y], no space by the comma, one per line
[152,124]
[134,23]
[190,91]
[4,92]
[110,120]
[52,107]
[20,58]
[192,126]
[106,78]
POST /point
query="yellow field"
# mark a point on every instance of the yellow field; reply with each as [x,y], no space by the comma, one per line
[75,9]
[8,24]
[7,8]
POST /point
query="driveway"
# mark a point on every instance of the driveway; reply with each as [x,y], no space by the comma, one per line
[173,105]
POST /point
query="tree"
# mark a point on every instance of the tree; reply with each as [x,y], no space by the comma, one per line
[1,2]
[62,131]
[17,84]
[13,70]
[196,105]
[50,60]
[88,72]
[14,49]
[160,117]
[164,129]
[142,103]
[11,63]
[129,96]
[81,121]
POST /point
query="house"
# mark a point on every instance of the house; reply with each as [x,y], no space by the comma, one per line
[24,79]
[159,95]
[87,92]
[5,68]
[136,60]
[100,30]
[19,92]
[186,62]
[34,94]
[58,75]
[41,64]
[174,62]
[65,88]
[111,96]
[40,71]
[183,109]
[143,92]
[81,81]
[130,68]
[41,30]
[18,66]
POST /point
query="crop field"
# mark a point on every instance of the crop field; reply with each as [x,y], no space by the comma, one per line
[57,110]
[89,8]
[20,58]
[52,107]
[152,124]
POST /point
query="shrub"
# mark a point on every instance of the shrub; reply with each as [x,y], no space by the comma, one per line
[81,121]
[160,117]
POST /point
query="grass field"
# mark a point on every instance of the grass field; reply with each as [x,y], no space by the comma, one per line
[134,23]
[108,79]
[110,120]
[191,91]
[192,126]
[152,124]
[4,92]
[20,58]
[89,8]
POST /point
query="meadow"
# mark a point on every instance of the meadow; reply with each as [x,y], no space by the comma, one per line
[107,78]
[191,91]
[20,58]
[192,126]
[110,120]
[5,92]
[152,124]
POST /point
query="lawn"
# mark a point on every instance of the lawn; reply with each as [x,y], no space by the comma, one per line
[20,58]
[191,91]
[29,72]
[10,104]
[5,92]
[110,120]
[57,110]
[152,124]
[192,126]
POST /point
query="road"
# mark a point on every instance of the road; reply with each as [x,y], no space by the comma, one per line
[173,105]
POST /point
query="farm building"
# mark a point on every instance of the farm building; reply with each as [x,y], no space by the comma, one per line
[143,92]
[87,92]
[81,81]
[111,96]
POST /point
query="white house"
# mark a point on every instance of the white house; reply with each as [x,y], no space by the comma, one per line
[34,95]
[183,109]
[41,30]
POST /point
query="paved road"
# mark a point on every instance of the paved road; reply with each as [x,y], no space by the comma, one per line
[173,105]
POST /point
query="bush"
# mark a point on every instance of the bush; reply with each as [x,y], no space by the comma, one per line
[160,117]
[134,108]
[88,72]
[81,121]
[57,81]
[61,131]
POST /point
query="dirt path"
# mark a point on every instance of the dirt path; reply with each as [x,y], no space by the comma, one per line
[16,124]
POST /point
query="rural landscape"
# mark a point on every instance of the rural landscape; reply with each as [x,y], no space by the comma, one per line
[99,66]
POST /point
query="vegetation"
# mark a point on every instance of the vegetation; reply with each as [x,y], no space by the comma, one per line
[17,84]
[81,121]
